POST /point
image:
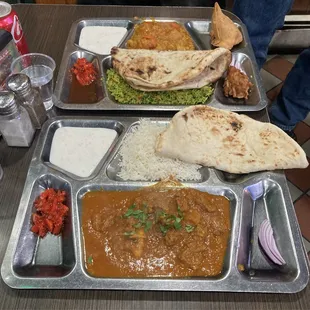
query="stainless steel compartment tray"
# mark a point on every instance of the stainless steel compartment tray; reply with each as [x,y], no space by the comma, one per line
[58,262]
[199,31]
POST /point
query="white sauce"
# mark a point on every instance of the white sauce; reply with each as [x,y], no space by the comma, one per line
[100,39]
[79,150]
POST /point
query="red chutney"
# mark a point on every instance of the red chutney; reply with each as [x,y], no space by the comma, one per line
[84,71]
[50,212]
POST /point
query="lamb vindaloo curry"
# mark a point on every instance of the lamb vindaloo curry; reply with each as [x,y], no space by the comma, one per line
[155,232]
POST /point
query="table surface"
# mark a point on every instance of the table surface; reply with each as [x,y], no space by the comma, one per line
[46,28]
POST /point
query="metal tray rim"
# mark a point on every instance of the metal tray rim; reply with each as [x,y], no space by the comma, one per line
[77,275]
[106,105]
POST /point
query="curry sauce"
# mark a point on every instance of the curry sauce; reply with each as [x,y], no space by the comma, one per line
[82,94]
[155,232]
[163,36]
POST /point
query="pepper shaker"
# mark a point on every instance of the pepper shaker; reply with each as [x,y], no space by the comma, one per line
[15,123]
[29,98]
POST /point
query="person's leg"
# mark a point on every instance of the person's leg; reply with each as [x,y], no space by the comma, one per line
[293,102]
[262,18]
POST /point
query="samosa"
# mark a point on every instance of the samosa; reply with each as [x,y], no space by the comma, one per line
[224,32]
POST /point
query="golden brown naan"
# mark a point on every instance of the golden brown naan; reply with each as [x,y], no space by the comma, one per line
[151,70]
[228,141]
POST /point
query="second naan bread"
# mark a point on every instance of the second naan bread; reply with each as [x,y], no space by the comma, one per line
[228,141]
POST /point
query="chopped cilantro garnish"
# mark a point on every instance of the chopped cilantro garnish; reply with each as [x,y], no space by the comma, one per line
[90,260]
[138,225]
[164,229]
[177,223]
[148,226]
[189,228]
[145,220]
[180,213]
[130,211]
[129,233]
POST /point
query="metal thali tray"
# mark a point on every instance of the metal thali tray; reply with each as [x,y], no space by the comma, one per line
[57,262]
[199,30]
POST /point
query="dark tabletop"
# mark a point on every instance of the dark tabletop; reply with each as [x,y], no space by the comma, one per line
[46,28]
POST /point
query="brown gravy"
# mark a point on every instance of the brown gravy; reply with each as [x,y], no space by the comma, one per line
[155,232]
[82,94]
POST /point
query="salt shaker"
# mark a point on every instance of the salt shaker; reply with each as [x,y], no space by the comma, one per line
[15,123]
[29,98]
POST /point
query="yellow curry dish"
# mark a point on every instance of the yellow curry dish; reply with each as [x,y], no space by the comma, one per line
[155,232]
[162,36]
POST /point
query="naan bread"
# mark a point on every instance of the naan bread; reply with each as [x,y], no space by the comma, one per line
[224,32]
[151,70]
[228,141]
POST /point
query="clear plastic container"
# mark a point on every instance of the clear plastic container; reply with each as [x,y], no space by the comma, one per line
[40,69]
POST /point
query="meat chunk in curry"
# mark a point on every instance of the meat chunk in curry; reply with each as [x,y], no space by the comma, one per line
[155,232]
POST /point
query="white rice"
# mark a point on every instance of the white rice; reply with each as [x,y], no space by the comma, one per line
[139,161]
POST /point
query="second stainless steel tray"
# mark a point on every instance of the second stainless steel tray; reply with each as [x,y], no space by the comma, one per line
[57,262]
[200,32]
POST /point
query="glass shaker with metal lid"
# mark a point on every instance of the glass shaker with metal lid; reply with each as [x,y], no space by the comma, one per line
[29,98]
[15,123]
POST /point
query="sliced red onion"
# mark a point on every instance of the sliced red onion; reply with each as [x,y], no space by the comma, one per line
[271,242]
[267,241]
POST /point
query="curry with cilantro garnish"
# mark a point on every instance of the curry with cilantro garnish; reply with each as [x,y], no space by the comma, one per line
[155,232]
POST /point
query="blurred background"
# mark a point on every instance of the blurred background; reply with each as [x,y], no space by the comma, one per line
[292,38]
[300,6]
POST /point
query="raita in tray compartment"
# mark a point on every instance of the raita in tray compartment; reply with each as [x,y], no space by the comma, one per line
[100,39]
[100,35]
[72,91]
[51,256]
[79,149]
[270,206]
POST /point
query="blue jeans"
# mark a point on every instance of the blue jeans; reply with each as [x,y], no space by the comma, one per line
[262,18]
[293,102]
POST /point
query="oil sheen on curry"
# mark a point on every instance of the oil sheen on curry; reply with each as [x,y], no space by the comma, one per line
[157,231]
[163,36]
